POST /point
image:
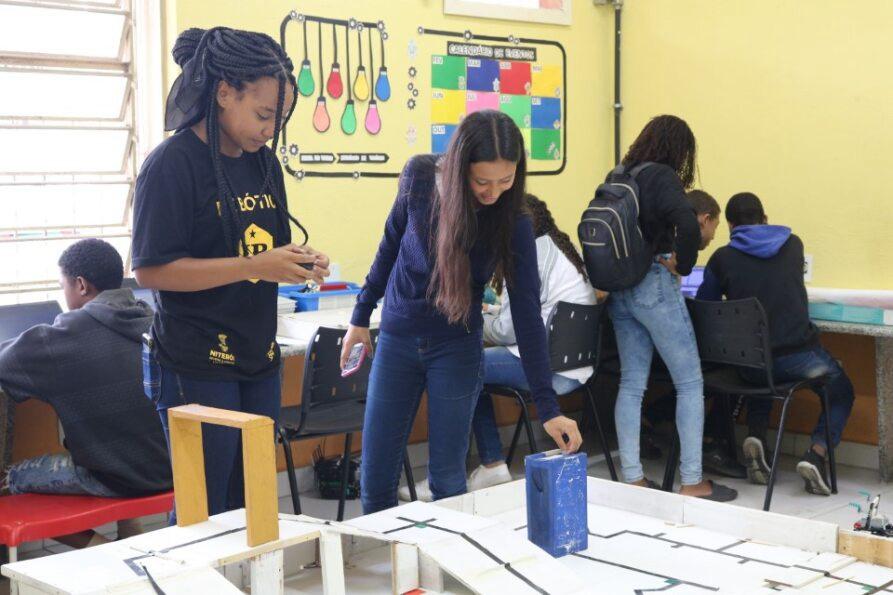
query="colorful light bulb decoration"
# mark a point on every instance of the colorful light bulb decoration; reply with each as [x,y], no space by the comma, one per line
[321,120]
[334,85]
[305,77]
[383,85]
[306,86]
[349,118]
[373,118]
[361,85]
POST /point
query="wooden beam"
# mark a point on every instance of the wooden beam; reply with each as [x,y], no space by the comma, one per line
[866,547]
[258,461]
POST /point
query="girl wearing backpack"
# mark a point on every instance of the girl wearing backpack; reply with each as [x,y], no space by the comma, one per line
[458,221]
[652,313]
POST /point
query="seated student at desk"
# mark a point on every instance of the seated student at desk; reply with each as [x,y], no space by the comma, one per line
[766,262]
[562,279]
[87,367]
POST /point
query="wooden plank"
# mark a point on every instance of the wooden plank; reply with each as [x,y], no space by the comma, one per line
[866,547]
[266,574]
[219,417]
[430,575]
[188,464]
[331,560]
[259,462]
[404,567]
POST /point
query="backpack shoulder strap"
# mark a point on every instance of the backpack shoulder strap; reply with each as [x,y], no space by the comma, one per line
[638,169]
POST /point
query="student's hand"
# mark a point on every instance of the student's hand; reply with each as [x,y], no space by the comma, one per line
[670,263]
[321,261]
[283,265]
[561,426]
[355,334]
[601,296]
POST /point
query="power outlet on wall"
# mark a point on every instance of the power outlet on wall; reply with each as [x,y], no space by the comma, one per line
[807,268]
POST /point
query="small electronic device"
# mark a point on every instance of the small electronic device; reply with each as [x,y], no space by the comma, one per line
[354,360]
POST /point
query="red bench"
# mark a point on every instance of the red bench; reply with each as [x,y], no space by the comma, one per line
[29,517]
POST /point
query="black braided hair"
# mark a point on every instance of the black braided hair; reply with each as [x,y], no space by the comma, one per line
[239,57]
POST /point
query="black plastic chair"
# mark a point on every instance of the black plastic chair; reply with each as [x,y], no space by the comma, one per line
[574,339]
[735,333]
[330,405]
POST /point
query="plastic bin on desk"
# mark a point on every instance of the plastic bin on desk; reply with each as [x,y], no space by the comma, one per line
[339,294]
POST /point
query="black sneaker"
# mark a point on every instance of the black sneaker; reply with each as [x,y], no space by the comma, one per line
[755,461]
[812,469]
[716,460]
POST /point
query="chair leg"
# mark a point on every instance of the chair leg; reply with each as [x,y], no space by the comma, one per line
[345,474]
[530,438]
[832,465]
[515,437]
[290,471]
[601,434]
[773,471]
[672,464]
[407,471]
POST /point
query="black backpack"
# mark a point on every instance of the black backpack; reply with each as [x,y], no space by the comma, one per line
[614,249]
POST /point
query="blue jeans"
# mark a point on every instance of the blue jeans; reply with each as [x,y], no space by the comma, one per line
[801,366]
[501,366]
[653,315]
[222,446]
[55,474]
[403,367]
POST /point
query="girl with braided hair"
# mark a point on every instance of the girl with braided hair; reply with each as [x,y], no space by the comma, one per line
[211,235]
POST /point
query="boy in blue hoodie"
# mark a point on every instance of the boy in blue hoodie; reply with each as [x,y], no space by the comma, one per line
[766,262]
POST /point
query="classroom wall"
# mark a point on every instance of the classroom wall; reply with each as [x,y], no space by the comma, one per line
[787,100]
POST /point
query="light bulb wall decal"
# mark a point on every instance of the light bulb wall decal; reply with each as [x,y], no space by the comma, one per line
[349,116]
[334,85]
[305,77]
[360,85]
[373,118]
[382,85]
[321,120]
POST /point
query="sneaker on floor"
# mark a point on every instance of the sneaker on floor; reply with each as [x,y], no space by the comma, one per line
[485,477]
[812,469]
[422,492]
[755,461]
[716,459]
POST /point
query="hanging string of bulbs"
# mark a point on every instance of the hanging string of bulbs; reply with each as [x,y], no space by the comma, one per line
[365,87]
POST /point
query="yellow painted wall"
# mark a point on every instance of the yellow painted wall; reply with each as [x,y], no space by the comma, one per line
[345,217]
[788,99]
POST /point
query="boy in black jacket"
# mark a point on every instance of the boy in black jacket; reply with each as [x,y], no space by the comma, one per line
[87,367]
[766,262]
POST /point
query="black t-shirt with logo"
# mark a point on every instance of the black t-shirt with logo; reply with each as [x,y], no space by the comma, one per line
[228,332]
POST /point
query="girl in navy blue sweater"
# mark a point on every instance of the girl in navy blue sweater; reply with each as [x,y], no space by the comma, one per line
[457,222]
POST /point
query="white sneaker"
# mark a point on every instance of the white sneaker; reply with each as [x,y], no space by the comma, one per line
[422,492]
[484,477]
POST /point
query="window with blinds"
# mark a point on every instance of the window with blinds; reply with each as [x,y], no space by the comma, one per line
[69,123]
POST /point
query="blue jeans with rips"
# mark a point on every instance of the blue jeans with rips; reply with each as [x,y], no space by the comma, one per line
[653,315]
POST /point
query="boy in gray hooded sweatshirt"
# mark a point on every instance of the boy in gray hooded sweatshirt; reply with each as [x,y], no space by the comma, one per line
[87,367]
[766,262]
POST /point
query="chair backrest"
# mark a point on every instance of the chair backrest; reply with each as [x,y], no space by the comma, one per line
[734,332]
[574,336]
[323,387]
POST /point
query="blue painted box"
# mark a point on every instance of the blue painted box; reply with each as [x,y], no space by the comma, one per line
[556,502]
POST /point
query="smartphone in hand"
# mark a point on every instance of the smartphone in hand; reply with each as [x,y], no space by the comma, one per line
[354,360]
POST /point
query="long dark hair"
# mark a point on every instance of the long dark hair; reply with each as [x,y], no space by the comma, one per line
[482,136]
[237,57]
[668,140]
[544,224]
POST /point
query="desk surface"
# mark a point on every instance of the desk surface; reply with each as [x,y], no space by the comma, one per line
[296,330]
[854,328]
